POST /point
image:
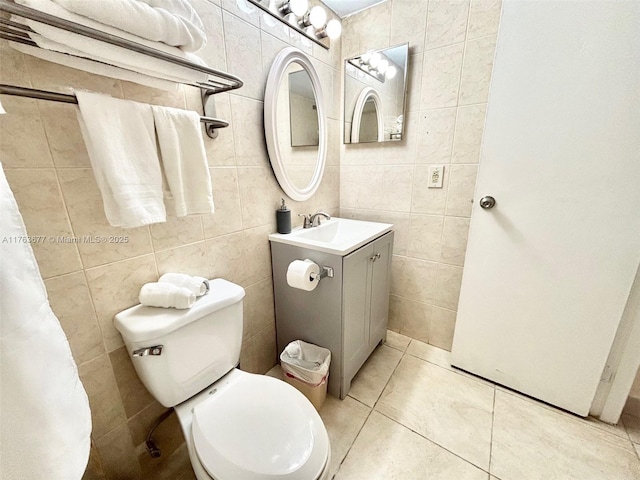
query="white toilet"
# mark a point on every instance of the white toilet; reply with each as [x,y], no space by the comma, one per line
[237,425]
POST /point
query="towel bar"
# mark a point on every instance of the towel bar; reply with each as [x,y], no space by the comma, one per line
[217,81]
[65,98]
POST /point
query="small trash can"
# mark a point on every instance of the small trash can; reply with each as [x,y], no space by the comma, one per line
[306,367]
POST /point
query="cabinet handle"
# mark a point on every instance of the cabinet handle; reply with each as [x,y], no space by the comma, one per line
[373,258]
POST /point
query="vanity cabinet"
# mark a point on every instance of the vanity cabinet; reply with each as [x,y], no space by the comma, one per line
[347,313]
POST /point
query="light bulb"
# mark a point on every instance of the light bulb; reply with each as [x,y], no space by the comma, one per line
[334,29]
[383,65]
[318,16]
[391,72]
[375,59]
[298,7]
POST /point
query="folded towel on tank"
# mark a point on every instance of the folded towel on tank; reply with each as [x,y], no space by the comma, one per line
[166,295]
[198,285]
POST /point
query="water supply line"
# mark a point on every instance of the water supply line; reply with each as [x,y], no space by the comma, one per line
[150,445]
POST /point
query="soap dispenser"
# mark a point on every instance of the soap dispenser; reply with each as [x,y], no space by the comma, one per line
[283,218]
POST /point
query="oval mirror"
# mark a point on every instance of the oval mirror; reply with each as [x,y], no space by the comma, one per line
[368,120]
[295,125]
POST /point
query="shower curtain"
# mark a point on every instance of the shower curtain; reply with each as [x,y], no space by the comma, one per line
[44,411]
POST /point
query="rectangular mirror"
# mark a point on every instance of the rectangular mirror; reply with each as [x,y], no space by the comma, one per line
[375,86]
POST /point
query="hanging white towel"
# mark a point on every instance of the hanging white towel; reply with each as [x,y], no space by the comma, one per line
[111,54]
[184,161]
[121,142]
[96,67]
[46,421]
[173,22]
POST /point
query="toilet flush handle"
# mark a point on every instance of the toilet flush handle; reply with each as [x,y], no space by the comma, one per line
[143,352]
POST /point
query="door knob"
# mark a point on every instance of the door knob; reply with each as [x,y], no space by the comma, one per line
[487,202]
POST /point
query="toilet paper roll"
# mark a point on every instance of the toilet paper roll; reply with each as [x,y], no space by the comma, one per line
[299,274]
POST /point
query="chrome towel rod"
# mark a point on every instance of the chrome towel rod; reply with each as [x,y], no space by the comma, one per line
[14,31]
[65,98]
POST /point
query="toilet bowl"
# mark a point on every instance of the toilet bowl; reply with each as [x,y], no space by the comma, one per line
[237,425]
[251,427]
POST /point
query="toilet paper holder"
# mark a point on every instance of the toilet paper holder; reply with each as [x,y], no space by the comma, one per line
[324,273]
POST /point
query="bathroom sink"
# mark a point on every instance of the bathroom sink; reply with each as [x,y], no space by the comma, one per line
[338,236]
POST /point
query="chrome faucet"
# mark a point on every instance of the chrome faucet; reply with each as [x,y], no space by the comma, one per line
[316,216]
[313,220]
[307,220]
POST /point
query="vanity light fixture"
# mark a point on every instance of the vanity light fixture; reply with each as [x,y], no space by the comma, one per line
[382,66]
[297,7]
[333,29]
[317,17]
[375,64]
[375,59]
[296,14]
[391,72]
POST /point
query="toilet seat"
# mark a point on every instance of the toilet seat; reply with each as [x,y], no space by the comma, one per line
[259,428]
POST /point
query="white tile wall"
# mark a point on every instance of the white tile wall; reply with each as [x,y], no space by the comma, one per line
[451,46]
[47,166]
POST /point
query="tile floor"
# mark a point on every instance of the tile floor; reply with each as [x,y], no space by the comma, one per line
[411,416]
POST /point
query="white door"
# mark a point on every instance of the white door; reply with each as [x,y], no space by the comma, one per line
[549,267]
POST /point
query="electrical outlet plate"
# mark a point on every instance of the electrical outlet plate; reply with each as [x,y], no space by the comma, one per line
[436,174]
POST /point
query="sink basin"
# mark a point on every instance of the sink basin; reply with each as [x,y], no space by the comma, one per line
[338,236]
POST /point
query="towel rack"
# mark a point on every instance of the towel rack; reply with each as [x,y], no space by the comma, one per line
[217,81]
[65,98]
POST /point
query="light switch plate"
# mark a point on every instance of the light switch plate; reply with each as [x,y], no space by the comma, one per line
[436,174]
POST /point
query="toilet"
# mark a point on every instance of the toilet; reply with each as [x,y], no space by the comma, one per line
[237,425]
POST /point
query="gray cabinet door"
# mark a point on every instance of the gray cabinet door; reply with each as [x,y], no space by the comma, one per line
[356,310]
[380,285]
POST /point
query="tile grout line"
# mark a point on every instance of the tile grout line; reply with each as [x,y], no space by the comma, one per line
[493,423]
[433,442]
[371,410]
[355,438]
[418,433]
[480,381]
[564,413]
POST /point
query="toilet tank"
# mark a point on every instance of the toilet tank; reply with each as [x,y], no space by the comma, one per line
[196,346]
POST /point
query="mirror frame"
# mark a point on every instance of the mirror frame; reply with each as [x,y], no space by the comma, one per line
[366,94]
[400,55]
[282,61]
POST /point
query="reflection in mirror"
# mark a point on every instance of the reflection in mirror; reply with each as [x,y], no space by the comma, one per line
[385,73]
[303,112]
[369,122]
[295,126]
[368,118]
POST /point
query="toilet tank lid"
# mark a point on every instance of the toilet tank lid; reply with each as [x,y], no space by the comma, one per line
[142,323]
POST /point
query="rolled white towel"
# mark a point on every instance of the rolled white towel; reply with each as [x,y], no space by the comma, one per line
[166,295]
[197,285]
